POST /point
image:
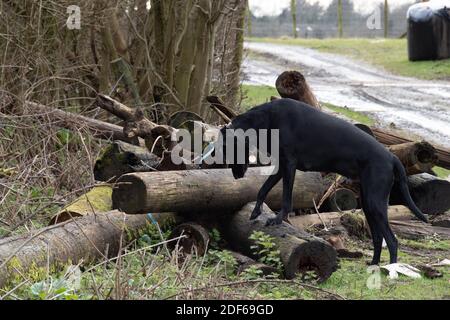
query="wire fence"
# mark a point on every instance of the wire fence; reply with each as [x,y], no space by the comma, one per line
[314,21]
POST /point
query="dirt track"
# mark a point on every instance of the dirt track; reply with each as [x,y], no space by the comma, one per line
[422,107]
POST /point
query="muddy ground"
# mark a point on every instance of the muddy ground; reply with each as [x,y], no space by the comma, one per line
[418,106]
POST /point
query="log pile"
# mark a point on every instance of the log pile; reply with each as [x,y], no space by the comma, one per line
[145,183]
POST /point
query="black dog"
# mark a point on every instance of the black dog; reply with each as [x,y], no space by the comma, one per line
[311,140]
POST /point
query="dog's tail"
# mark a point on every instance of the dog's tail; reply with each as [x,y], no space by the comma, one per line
[400,174]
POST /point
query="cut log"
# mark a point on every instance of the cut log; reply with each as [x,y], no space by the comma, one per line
[401,219]
[416,230]
[431,194]
[417,157]
[299,251]
[389,139]
[207,190]
[86,239]
[331,219]
[293,85]
[196,240]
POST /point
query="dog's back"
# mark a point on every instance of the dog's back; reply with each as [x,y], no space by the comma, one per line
[312,134]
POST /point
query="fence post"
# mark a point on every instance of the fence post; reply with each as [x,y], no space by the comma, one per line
[386,18]
[249,20]
[294,18]
[340,28]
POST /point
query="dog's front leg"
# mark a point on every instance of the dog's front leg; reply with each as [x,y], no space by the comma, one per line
[288,184]
[264,191]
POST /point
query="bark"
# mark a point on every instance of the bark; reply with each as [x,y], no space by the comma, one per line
[206,190]
[417,157]
[430,193]
[293,85]
[87,239]
[299,251]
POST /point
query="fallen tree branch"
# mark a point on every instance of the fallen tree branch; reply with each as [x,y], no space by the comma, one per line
[72,121]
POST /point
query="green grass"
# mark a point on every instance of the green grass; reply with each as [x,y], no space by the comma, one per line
[351,281]
[391,54]
[256,95]
[353,115]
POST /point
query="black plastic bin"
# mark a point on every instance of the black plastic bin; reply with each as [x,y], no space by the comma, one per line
[429,31]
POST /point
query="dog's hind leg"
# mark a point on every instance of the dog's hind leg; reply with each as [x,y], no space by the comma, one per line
[288,172]
[377,186]
[377,236]
[264,191]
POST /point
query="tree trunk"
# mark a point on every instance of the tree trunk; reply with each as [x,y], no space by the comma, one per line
[299,251]
[87,239]
[417,157]
[431,194]
[206,190]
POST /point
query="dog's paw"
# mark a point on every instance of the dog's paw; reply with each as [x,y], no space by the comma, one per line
[255,214]
[274,221]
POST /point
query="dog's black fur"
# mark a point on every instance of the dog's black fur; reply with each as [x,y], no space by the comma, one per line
[311,140]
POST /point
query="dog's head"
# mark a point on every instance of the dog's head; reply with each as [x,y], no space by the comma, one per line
[235,163]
